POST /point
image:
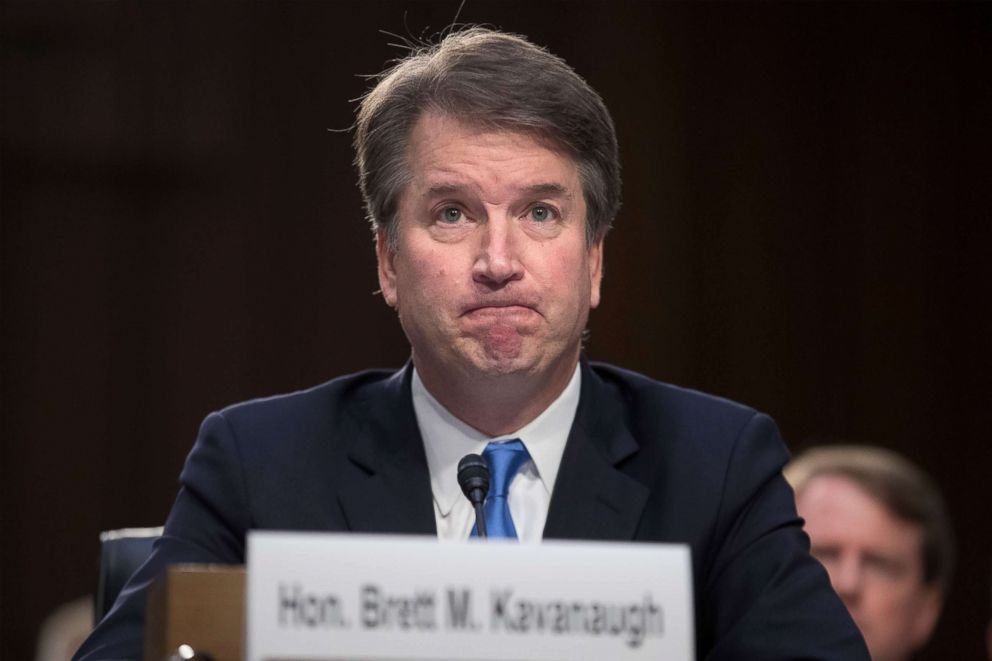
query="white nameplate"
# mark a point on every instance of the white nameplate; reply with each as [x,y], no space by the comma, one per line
[340,597]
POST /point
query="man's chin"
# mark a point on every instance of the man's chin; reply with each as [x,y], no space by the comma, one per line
[507,359]
[503,365]
[495,360]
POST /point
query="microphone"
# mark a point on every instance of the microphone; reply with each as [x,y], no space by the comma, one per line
[473,478]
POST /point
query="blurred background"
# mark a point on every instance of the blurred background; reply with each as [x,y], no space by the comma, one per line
[805,228]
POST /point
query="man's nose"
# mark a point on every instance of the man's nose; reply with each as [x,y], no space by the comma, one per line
[498,259]
[846,576]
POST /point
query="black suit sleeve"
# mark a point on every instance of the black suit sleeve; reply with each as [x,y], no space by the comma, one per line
[764,596]
[207,524]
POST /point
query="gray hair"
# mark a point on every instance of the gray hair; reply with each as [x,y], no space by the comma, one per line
[495,81]
[905,490]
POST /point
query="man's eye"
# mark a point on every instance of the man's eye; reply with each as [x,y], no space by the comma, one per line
[451,215]
[541,213]
[884,566]
[825,554]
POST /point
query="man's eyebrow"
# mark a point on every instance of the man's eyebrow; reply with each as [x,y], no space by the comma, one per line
[549,189]
[442,189]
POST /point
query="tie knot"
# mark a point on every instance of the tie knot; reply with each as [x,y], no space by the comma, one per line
[504,459]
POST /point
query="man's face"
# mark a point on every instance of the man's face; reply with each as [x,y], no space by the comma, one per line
[875,565]
[492,274]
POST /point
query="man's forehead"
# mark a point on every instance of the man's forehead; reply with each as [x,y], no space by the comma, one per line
[431,124]
[434,138]
[838,506]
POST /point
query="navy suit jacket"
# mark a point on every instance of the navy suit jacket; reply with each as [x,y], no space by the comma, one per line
[644,461]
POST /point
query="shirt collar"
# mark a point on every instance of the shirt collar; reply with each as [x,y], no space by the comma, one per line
[447,439]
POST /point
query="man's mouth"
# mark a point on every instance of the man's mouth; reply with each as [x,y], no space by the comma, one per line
[500,308]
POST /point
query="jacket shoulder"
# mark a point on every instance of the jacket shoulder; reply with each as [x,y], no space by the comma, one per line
[341,394]
[653,404]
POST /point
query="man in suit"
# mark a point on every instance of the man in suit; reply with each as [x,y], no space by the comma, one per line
[490,173]
[880,527]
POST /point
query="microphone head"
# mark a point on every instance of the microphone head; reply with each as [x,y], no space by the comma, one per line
[473,477]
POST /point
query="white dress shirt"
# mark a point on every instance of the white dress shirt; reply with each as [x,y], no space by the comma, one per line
[447,439]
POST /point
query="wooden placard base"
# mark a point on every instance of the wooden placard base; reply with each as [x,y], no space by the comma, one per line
[202,606]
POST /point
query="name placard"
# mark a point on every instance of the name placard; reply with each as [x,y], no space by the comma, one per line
[336,597]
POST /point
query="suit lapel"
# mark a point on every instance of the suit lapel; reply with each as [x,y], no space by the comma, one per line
[386,486]
[592,498]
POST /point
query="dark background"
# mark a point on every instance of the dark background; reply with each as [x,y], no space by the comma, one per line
[805,228]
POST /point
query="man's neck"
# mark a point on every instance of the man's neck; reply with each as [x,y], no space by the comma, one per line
[497,404]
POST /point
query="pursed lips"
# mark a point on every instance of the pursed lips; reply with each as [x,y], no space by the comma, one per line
[499,308]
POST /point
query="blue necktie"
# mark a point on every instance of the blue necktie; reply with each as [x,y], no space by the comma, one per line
[504,460]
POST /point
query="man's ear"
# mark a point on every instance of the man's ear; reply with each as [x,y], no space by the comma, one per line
[931,600]
[386,255]
[595,272]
